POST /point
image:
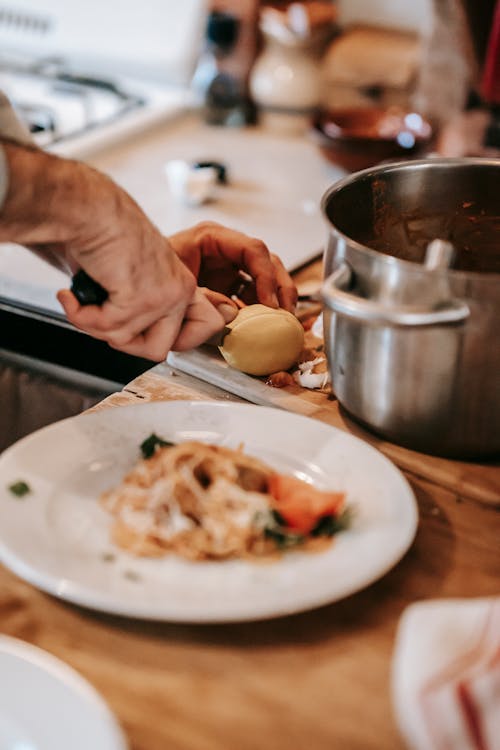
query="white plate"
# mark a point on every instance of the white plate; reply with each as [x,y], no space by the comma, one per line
[46,705]
[57,537]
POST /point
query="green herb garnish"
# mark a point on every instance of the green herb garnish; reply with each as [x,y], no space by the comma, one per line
[149,446]
[278,518]
[330,525]
[274,527]
[20,489]
[282,538]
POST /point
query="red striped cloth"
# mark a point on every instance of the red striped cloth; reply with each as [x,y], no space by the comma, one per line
[491,75]
[446,675]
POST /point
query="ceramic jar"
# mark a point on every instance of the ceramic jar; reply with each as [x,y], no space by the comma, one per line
[285,82]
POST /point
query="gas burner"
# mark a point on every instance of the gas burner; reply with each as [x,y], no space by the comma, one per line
[72,113]
[56,104]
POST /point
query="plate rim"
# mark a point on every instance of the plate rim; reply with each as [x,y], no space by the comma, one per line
[81,595]
[71,678]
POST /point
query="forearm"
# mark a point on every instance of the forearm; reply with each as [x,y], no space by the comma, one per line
[50,200]
[42,197]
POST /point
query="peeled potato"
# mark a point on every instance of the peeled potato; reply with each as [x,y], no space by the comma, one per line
[263,340]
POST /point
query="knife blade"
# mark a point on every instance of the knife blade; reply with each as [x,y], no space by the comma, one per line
[218,338]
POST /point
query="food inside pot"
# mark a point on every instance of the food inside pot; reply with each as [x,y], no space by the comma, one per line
[398,209]
[474,234]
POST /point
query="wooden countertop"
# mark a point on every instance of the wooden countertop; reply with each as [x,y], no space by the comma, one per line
[318,680]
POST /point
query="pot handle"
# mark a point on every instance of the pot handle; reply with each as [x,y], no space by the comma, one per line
[352,306]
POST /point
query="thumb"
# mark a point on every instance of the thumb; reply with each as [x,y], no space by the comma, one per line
[225,306]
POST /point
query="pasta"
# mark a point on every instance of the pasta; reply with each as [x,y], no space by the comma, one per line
[201,502]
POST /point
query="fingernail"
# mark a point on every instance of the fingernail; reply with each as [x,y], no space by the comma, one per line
[274,300]
[228,312]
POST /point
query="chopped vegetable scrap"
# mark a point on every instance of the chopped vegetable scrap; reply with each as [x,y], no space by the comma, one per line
[151,443]
[20,489]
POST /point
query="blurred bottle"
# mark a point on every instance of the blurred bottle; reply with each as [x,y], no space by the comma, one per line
[221,91]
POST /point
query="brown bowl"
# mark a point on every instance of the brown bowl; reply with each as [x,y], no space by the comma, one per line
[359,138]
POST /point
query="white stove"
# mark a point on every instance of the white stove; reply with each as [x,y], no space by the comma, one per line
[74,114]
[82,75]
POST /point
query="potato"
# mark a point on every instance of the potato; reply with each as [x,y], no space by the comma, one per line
[263,340]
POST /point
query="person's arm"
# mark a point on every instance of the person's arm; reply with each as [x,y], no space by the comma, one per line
[154,304]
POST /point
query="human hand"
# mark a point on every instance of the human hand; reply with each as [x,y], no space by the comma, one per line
[216,254]
[153,303]
[69,212]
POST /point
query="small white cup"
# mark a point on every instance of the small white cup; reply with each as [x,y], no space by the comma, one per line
[191,185]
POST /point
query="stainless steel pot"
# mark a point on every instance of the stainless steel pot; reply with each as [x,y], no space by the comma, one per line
[414,347]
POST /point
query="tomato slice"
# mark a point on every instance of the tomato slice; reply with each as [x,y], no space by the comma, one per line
[300,504]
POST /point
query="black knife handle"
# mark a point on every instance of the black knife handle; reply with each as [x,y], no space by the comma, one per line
[86,290]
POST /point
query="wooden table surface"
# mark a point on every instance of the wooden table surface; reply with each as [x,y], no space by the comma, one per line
[317,681]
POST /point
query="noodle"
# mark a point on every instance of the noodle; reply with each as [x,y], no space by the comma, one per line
[207,502]
[196,500]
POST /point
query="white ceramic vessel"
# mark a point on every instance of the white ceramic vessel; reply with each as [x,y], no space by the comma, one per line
[285,82]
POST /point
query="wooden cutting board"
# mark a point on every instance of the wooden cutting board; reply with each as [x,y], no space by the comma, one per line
[478,481]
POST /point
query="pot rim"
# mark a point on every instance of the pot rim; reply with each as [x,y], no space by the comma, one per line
[397,165]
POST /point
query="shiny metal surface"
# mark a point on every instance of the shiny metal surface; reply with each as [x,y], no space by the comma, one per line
[414,348]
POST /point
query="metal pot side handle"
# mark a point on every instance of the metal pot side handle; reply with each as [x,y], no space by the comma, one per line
[345,303]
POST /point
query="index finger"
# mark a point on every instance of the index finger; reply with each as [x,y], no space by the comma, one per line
[250,255]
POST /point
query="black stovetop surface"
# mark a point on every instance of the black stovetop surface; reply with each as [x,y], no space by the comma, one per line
[55,341]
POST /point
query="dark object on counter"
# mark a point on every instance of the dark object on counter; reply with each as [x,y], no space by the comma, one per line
[218,166]
[359,138]
[414,350]
[86,290]
[223,94]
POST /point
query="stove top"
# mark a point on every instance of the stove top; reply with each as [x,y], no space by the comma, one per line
[83,75]
[74,114]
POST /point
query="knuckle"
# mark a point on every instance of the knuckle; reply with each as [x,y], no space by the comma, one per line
[277,261]
[117,339]
[259,249]
[207,226]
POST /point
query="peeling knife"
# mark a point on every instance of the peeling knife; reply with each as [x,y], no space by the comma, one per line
[86,290]
[218,338]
